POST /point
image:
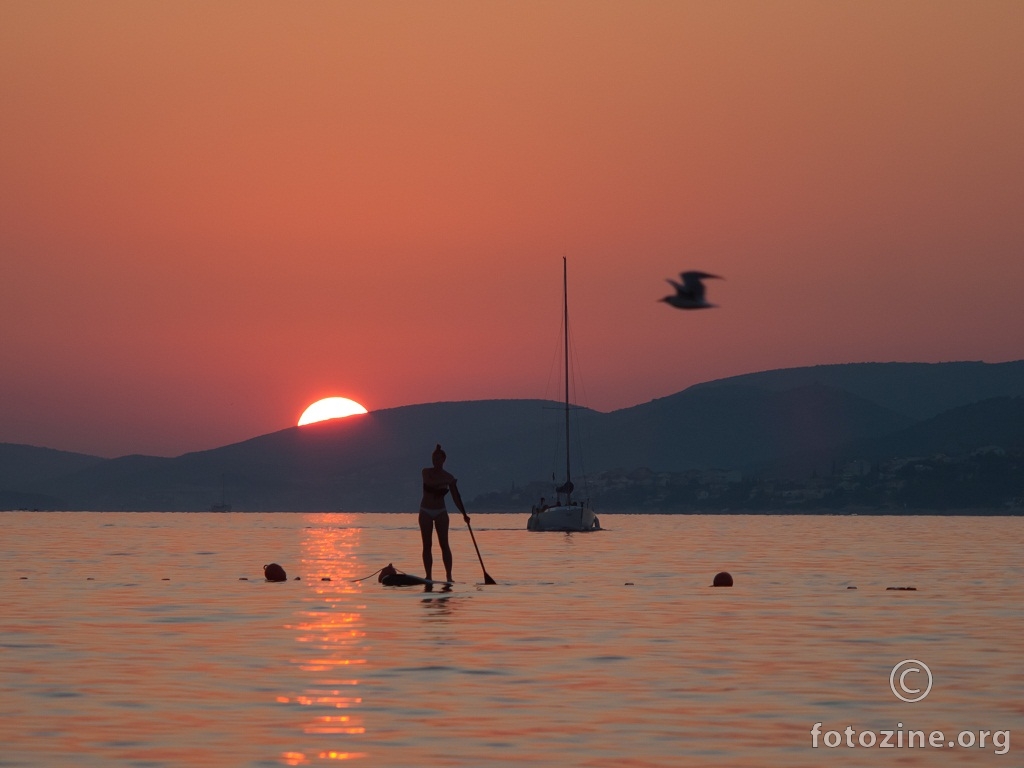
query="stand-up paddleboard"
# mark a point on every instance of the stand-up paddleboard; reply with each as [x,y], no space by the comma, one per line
[391,577]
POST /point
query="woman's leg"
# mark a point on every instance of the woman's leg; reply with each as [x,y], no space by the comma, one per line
[427,533]
[442,539]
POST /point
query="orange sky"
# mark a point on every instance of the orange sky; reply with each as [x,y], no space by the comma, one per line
[213,214]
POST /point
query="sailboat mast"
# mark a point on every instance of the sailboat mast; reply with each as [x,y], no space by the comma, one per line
[565,322]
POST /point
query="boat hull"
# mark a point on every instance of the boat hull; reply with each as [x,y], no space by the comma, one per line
[564,519]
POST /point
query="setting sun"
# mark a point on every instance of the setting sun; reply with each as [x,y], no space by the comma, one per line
[330,408]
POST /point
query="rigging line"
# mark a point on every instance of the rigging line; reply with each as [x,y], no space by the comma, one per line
[579,391]
[579,386]
[565,313]
[552,425]
[554,371]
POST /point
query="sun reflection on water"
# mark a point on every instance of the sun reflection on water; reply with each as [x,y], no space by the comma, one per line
[329,635]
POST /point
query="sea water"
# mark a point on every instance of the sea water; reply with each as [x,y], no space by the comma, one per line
[139,639]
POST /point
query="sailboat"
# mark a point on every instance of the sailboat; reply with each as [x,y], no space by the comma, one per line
[223,506]
[567,515]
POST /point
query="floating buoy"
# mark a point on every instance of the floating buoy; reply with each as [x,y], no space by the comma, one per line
[902,589]
[274,572]
[723,579]
[851,587]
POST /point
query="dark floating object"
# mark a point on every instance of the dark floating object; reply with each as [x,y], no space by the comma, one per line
[243,578]
[90,578]
[297,578]
[23,578]
[723,579]
[165,579]
[629,584]
[902,589]
[325,578]
[392,577]
[851,587]
[274,572]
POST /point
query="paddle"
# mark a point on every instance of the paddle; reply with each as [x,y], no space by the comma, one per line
[487,576]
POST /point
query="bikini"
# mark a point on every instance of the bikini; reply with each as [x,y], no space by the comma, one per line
[436,491]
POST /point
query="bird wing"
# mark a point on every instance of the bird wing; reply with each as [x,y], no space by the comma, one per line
[693,285]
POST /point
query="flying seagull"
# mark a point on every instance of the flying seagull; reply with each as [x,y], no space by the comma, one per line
[690,294]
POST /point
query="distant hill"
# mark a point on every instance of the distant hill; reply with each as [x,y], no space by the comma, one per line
[25,466]
[918,390]
[958,432]
[731,426]
[795,421]
[20,464]
[364,462]
[998,421]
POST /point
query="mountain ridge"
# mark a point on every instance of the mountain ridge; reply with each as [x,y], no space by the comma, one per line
[754,423]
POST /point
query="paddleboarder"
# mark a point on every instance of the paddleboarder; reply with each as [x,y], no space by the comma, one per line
[437,483]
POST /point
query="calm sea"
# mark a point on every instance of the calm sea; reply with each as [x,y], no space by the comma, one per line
[131,639]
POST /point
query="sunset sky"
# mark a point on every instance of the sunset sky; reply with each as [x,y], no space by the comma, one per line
[213,214]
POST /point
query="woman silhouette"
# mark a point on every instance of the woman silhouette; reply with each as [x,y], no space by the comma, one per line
[436,484]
